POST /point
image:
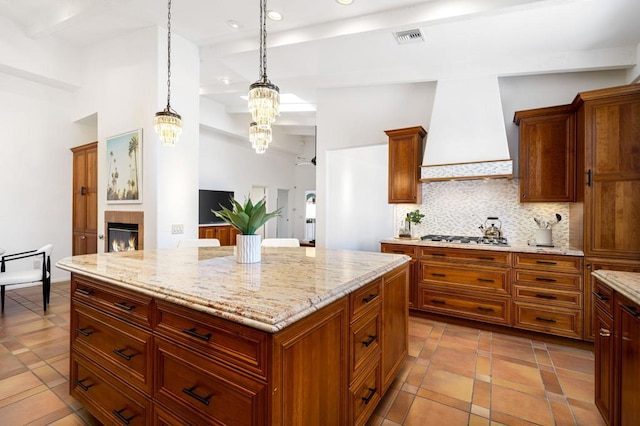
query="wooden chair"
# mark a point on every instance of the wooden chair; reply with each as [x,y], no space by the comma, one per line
[28,276]
[199,242]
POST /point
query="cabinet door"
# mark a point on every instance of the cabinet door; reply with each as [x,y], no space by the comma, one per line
[604,364]
[612,197]
[85,199]
[405,157]
[224,235]
[395,323]
[548,158]
[628,321]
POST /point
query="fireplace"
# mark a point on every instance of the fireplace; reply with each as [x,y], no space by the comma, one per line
[124,230]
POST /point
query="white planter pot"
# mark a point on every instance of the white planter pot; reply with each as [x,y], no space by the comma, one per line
[248,248]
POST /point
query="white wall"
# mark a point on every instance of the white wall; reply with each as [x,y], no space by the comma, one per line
[36,167]
[229,163]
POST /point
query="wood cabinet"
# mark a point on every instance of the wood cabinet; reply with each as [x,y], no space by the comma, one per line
[140,360]
[547,294]
[411,251]
[85,199]
[617,356]
[406,148]
[466,283]
[547,154]
[225,233]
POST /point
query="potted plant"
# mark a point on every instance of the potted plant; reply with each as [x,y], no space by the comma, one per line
[247,219]
[412,217]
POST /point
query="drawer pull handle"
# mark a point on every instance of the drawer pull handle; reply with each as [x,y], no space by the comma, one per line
[433,274]
[120,353]
[546,280]
[82,385]
[369,298]
[192,394]
[601,296]
[486,280]
[84,331]
[631,310]
[546,296]
[438,302]
[482,308]
[439,254]
[545,262]
[367,399]
[192,332]
[549,320]
[398,251]
[486,258]
[83,291]
[605,333]
[123,305]
[123,419]
[372,339]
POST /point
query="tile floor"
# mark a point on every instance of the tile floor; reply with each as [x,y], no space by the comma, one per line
[454,375]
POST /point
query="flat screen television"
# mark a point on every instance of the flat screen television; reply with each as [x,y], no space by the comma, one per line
[212,200]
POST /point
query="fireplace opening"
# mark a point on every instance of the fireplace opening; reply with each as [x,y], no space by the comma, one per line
[122,236]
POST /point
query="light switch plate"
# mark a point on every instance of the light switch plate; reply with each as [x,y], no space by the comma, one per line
[177,229]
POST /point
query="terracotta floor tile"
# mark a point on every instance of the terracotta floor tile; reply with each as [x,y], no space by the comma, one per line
[448,358]
[444,399]
[406,387]
[415,346]
[509,420]
[481,394]
[47,374]
[447,383]
[478,421]
[542,356]
[386,402]
[576,388]
[400,407]
[387,422]
[512,372]
[31,409]
[520,405]
[425,412]
[416,375]
[562,414]
[568,361]
[551,383]
[483,365]
[420,330]
[480,411]
[587,416]
[461,343]
[72,420]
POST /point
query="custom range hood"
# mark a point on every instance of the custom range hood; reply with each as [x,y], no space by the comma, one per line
[467,137]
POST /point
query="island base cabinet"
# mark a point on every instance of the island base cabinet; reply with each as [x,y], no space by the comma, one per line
[603,351]
[628,327]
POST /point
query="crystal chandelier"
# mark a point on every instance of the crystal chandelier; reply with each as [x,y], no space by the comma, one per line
[264,96]
[168,123]
[260,137]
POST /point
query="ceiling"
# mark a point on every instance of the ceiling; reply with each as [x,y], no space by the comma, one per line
[322,44]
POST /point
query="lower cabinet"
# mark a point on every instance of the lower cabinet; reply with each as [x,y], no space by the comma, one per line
[411,251]
[173,365]
[226,234]
[617,356]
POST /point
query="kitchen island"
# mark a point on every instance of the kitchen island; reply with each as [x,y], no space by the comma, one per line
[189,336]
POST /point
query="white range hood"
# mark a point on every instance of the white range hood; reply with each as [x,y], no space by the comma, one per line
[467,137]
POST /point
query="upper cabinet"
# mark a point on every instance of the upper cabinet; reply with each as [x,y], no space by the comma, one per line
[609,170]
[547,154]
[406,147]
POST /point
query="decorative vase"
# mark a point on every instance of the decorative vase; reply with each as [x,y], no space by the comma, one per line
[248,248]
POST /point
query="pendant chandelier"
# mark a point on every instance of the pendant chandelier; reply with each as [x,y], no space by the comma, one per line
[168,123]
[264,96]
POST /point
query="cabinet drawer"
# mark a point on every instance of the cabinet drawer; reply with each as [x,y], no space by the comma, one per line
[478,308]
[494,281]
[547,319]
[364,299]
[548,297]
[488,257]
[110,401]
[399,249]
[187,382]
[126,305]
[547,262]
[365,341]
[226,341]
[365,394]
[548,280]
[120,347]
[603,296]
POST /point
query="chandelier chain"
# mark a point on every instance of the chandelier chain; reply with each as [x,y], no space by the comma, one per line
[169,57]
[263,40]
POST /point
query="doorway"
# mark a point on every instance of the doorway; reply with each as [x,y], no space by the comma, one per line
[282,230]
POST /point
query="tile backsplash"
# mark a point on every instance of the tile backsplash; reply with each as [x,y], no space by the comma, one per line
[460,207]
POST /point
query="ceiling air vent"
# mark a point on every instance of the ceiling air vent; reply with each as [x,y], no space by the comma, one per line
[409,36]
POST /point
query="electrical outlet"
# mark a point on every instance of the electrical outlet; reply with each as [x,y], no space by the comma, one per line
[37,264]
[177,229]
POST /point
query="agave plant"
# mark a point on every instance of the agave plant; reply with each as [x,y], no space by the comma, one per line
[247,218]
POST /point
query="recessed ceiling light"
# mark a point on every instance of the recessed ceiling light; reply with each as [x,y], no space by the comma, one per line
[225,80]
[234,25]
[346,2]
[274,15]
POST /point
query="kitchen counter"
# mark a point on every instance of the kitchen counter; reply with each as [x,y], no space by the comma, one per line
[289,283]
[519,248]
[625,283]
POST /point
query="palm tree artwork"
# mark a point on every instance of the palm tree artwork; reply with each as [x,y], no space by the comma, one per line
[124,150]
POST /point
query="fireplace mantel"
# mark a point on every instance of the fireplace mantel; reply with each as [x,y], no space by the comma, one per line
[133,217]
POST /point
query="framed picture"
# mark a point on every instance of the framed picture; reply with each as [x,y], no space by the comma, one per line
[124,168]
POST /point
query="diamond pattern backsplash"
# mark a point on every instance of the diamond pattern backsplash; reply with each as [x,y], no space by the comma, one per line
[460,207]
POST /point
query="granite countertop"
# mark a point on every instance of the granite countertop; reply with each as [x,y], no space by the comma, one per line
[625,283]
[519,248]
[289,283]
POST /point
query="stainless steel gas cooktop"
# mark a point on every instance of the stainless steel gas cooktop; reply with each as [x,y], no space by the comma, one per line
[502,241]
